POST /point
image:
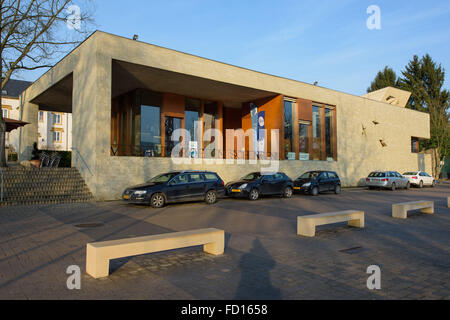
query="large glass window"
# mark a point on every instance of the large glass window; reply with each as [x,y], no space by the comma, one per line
[303,132]
[150,131]
[209,122]
[316,134]
[191,117]
[171,124]
[288,128]
[329,133]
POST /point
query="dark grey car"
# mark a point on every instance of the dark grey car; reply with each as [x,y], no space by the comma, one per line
[387,179]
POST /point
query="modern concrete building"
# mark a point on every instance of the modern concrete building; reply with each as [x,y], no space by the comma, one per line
[127,98]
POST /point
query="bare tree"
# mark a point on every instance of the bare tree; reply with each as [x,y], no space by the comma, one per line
[33,34]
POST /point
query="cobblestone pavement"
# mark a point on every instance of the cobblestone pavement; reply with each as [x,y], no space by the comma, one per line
[264,258]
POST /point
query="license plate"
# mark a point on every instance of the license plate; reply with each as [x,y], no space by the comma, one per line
[235,190]
[297,188]
[126,197]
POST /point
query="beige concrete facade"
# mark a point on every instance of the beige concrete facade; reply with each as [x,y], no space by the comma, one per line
[361,122]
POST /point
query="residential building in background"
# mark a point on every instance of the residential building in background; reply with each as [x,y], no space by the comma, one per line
[11,110]
[54,128]
[54,131]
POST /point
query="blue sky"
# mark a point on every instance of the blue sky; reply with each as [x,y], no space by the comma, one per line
[324,41]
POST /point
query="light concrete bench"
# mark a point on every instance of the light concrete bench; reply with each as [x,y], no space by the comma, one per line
[306,225]
[98,254]
[399,210]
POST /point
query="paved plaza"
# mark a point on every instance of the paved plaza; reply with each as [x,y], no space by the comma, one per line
[264,258]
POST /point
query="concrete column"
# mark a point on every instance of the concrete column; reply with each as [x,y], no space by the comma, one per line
[28,134]
[91,118]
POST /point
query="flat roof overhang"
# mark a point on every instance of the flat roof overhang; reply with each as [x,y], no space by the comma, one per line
[57,98]
[129,76]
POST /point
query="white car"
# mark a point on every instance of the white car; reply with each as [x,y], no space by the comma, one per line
[420,179]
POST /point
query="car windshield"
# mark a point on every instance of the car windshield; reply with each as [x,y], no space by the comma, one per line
[309,175]
[163,178]
[252,176]
[377,174]
[410,173]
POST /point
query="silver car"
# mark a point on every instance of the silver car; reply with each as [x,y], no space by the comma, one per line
[387,179]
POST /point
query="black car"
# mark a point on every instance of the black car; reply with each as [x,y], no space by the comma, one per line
[255,184]
[175,187]
[313,182]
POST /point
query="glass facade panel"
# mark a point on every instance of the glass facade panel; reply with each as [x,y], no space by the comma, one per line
[288,128]
[303,129]
[171,124]
[150,131]
[316,134]
[191,117]
[329,133]
[209,122]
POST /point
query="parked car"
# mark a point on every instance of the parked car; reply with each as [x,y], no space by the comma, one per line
[387,179]
[256,184]
[313,182]
[420,179]
[175,187]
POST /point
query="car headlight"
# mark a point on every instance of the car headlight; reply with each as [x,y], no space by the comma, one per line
[243,186]
[306,184]
[140,192]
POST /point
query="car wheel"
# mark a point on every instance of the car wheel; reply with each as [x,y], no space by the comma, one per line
[337,189]
[421,184]
[211,197]
[254,194]
[393,186]
[157,200]
[287,192]
[407,186]
[315,191]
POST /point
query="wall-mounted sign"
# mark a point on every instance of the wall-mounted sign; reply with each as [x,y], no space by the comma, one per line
[304,156]
[193,149]
[261,135]
[254,116]
[291,156]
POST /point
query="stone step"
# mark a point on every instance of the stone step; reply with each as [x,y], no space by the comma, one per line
[29,186]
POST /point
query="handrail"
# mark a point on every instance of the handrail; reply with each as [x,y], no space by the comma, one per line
[1,197]
[82,159]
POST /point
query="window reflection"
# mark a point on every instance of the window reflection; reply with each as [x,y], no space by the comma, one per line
[288,127]
[150,131]
[328,133]
[316,136]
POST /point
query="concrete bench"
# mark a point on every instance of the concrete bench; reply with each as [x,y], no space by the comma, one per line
[399,210]
[98,254]
[306,225]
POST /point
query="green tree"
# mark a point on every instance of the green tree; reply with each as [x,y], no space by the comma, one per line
[383,79]
[424,78]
